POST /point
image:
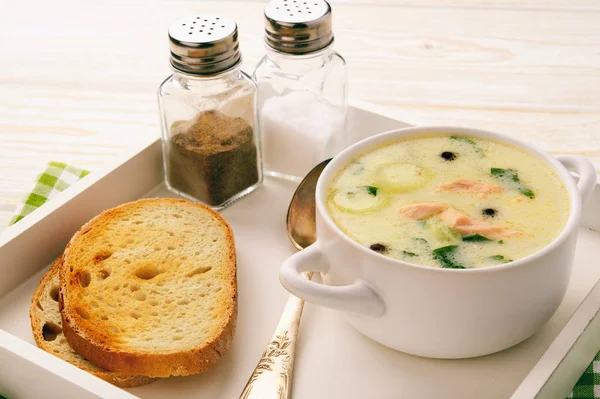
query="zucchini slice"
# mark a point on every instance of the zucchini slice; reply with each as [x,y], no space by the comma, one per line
[400,177]
[358,200]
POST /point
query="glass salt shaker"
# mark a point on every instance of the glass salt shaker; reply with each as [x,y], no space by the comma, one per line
[302,89]
[210,140]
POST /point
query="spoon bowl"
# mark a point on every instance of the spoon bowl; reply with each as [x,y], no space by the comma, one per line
[301,216]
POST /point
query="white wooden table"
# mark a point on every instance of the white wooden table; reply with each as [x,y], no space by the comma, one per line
[78,78]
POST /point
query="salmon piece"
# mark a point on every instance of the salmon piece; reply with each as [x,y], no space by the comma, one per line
[466,225]
[472,187]
[423,210]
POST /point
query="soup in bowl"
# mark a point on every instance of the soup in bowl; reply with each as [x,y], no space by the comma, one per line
[444,242]
[449,201]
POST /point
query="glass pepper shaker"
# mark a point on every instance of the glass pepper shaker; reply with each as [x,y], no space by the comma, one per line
[302,89]
[207,106]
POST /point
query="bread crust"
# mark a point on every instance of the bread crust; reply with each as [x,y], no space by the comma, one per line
[37,317]
[97,345]
[195,361]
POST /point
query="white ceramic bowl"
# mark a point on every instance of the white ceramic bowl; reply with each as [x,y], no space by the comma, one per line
[435,312]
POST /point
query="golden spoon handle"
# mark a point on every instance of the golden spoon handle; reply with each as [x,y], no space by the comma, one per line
[272,377]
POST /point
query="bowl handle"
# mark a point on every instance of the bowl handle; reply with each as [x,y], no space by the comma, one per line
[586,171]
[356,298]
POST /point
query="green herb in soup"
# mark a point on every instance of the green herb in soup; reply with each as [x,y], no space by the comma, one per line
[526,192]
[446,257]
[470,141]
[475,238]
[511,178]
[508,174]
[500,258]
[371,190]
[449,201]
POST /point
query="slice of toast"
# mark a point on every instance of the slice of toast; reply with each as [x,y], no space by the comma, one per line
[46,325]
[149,288]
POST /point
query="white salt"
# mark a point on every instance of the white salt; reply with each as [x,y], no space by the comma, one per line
[298,131]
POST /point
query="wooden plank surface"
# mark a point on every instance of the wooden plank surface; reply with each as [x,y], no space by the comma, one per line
[78,79]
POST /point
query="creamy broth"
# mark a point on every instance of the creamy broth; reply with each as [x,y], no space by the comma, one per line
[449,201]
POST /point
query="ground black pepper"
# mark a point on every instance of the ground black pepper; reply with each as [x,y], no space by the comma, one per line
[213,157]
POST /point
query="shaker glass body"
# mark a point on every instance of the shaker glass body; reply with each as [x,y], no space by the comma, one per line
[302,103]
[210,140]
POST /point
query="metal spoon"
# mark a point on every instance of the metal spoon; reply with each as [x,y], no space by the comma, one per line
[272,377]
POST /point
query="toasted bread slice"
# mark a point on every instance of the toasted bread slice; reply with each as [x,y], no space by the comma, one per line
[149,288]
[46,325]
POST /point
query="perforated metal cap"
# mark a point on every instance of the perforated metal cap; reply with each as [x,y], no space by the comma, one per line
[298,26]
[204,44]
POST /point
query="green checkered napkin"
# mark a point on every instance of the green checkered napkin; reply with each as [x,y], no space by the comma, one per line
[55,179]
[588,386]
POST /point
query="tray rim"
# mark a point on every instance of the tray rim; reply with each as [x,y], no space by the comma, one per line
[93,385]
[544,382]
[61,369]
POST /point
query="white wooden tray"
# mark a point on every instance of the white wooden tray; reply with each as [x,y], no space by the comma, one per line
[333,360]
